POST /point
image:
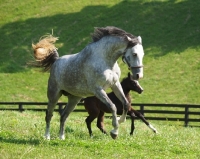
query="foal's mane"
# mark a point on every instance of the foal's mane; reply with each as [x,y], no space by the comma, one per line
[101,32]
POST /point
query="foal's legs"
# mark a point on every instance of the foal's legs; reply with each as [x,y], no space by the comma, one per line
[90,119]
[100,122]
[72,102]
[139,115]
[132,115]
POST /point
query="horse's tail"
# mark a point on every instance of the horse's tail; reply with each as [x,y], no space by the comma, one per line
[45,52]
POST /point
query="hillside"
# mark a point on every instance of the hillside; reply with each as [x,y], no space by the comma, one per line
[170,30]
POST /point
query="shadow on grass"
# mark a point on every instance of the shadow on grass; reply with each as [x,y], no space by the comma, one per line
[20,141]
[169,26]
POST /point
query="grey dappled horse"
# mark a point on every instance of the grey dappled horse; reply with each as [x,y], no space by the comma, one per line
[89,72]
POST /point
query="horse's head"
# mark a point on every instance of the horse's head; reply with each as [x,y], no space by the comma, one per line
[133,57]
[134,85]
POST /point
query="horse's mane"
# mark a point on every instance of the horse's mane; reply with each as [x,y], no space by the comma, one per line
[101,32]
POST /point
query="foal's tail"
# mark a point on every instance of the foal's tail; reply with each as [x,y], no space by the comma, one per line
[45,52]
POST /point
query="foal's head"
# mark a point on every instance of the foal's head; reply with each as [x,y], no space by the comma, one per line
[130,84]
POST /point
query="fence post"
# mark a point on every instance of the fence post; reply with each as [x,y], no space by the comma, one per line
[60,108]
[186,115]
[21,107]
[142,109]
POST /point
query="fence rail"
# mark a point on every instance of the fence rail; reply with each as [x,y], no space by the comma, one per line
[145,109]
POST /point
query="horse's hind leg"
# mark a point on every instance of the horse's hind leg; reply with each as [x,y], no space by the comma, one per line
[88,121]
[53,99]
[49,114]
[72,102]
[100,123]
[139,115]
[132,115]
[93,111]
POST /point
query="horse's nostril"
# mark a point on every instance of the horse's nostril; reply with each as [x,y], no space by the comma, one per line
[137,76]
[140,91]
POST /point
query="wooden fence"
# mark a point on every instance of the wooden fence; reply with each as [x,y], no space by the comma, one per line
[186,112]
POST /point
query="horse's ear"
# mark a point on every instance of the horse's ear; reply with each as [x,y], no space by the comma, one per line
[139,39]
[131,42]
[129,75]
[128,38]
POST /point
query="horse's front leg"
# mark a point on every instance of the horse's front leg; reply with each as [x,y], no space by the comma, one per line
[101,95]
[117,89]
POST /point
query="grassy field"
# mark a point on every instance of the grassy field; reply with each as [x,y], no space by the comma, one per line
[170,32]
[171,35]
[21,136]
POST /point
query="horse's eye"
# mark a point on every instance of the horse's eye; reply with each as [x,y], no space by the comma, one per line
[135,84]
[134,54]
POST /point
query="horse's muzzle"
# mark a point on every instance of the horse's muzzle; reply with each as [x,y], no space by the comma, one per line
[141,90]
[137,72]
[139,76]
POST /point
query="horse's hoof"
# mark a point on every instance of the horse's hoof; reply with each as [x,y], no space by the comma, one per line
[47,137]
[62,137]
[155,131]
[114,136]
[118,118]
[91,136]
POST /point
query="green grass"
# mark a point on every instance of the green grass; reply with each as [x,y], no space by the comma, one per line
[21,136]
[170,32]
